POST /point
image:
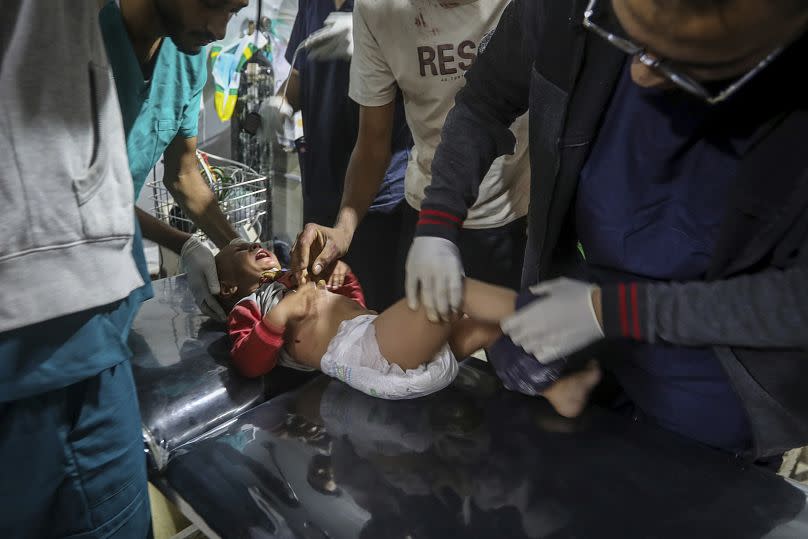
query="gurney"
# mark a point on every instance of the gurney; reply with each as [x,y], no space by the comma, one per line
[302,455]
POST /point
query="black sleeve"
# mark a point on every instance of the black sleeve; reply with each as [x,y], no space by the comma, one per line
[299,33]
[477,129]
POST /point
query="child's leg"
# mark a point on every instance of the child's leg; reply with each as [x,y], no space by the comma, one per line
[570,393]
[487,302]
[409,339]
[469,335]
[487,305]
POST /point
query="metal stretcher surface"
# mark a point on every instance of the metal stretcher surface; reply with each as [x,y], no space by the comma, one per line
[185,385]
[473,460]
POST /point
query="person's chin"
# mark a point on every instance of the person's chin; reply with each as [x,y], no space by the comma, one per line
[191,48]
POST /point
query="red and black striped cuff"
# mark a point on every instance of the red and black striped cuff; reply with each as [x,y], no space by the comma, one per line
[438,223]
[623,307]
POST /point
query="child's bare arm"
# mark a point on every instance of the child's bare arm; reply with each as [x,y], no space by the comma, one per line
[294,307]
[255,341]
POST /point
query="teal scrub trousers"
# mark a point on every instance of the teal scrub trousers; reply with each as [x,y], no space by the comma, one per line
[73,461]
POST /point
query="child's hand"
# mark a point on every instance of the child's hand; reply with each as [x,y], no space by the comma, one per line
[297,305]
[337,278]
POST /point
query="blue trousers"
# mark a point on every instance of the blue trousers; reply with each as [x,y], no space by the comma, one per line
[373,256]
[73,461]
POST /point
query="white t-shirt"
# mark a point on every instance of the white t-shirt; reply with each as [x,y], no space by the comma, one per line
[425,49]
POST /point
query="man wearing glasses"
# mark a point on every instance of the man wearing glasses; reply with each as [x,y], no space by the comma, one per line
[669,204]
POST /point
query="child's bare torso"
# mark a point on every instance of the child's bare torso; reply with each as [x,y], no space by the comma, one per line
[307,340]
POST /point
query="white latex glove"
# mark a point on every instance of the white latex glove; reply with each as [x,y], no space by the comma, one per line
[334,41]
[560,321]
[198,262]
[276,120]
[434,268]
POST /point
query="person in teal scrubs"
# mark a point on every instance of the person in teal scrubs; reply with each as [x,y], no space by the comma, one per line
[70,428]
[156,49]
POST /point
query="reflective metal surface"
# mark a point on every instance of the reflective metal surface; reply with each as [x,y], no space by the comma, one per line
[184,383]
[470,461]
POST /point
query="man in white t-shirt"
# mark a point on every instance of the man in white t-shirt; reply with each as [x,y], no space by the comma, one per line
[424,48]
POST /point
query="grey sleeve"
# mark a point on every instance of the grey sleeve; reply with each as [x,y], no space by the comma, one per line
[763,310]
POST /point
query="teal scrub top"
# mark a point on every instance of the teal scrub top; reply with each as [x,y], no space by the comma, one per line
[83,344]
[154,111]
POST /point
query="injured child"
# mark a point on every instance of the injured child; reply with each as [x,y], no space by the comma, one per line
[398,354]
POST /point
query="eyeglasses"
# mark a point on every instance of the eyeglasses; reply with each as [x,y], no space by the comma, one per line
[664,68]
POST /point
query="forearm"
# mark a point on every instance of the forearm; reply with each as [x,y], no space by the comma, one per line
[290,89]
[160,233]
[764,310]
[200,205]
[363,179]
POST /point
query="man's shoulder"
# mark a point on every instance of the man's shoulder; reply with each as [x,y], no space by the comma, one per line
[380,11]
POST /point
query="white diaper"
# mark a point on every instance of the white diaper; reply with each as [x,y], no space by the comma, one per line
[353,356]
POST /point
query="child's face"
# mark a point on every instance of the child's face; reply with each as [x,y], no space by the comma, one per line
[240,268]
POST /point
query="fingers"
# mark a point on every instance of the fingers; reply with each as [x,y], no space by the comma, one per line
[212,277]
[541,288]
[428,299]
[326,257]
[301,248]
[337,279]
[411,289]
[441,298]
[319,241]
[456,293]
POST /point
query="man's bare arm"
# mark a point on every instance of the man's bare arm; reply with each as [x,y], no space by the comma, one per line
[192,193]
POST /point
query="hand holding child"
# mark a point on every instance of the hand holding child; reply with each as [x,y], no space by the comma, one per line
[337,277]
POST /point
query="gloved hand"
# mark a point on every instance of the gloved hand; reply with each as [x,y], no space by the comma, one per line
[434,267]
[519,370]
[198,262]
[560,321]
[276,120]
[334,41]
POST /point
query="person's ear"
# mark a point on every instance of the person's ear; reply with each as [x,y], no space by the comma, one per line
[228,289]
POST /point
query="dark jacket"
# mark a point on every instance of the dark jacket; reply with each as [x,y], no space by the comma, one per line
[753,305]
